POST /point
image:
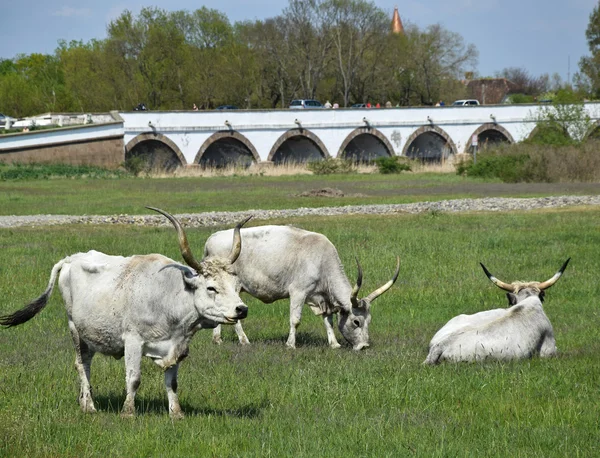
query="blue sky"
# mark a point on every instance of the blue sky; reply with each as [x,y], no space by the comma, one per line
[540,36]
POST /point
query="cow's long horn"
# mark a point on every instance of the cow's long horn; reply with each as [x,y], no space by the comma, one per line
[379,291]
[237,241]
[356,289]
[548,283]
[498,283]
[184,246]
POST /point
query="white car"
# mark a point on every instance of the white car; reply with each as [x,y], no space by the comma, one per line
[466,103]
[305,103]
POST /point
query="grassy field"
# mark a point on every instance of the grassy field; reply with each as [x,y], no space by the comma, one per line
[267,400]
[191,195]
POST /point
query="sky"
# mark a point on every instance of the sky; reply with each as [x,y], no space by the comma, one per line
[541,36]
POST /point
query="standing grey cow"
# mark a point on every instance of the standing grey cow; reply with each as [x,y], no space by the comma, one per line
[283,261]
[147,305]
[520,331]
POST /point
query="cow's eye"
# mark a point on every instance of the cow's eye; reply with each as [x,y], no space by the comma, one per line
[212,289]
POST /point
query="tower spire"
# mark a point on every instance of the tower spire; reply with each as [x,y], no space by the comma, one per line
[397,23]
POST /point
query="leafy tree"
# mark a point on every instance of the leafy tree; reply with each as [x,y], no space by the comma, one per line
[589,66]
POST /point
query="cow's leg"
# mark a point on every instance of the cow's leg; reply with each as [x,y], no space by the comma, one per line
[217,335]
[133,374]
[83,362]
[241,334]
[548,348]
[171,385]
[328,320]
[296,303]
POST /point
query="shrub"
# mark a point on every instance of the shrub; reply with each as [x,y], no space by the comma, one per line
[135,165]
[331,166]
[393,164]
[534,163]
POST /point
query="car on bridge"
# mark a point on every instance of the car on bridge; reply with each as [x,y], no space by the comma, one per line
[465,103]
[227,107]
[305,103]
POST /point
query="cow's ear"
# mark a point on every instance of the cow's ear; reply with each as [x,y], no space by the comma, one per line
[512,298]
[542,295]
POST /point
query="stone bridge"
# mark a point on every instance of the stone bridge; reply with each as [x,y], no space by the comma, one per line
[171,139]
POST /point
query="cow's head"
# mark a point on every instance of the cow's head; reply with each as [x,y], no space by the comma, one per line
[354,321]
[518,290]
[213,282]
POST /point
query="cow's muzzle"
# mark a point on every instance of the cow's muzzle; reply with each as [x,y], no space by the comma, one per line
[241,311]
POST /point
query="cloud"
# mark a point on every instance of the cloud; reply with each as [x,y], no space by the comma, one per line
[67,11]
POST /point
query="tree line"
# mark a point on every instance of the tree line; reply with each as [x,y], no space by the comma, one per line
[341,50]
[337,50]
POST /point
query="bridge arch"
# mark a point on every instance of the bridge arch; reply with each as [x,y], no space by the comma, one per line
[429,143]
[298,145]
[156,150]
[365,144]
[489,134]
[227,147]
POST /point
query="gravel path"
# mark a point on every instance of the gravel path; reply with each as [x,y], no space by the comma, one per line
[229,218]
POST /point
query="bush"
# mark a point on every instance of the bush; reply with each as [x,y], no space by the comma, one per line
[509,167]
[135,165]
[392,164]
[331,166]
[534,163]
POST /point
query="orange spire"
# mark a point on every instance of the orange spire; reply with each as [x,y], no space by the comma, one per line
[397,23]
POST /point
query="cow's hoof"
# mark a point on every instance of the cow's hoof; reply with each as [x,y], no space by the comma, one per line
[177,415]
[334,345]
[217,340]
[244,342]
[128,413]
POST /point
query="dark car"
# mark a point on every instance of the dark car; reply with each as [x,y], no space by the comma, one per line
[227,107]
[359,105]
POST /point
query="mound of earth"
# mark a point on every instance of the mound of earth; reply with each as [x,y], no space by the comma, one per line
[323,192]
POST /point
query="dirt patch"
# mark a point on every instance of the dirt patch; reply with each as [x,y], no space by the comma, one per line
[327,192]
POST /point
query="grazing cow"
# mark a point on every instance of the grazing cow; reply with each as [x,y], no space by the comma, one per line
[283,261]
[520,331]
[146,305]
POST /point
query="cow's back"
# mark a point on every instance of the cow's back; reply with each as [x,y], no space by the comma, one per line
[505,334]
[105,295]
[275,258]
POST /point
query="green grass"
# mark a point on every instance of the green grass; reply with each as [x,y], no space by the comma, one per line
[266,400]
[181,195]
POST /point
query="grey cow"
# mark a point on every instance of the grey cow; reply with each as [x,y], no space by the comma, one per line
[517,332]
[283,261]
[147,305]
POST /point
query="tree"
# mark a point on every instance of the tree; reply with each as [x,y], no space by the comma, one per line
[589,66]
[356,27]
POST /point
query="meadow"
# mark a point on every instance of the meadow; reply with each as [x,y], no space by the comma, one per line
[128,195]
[267,400]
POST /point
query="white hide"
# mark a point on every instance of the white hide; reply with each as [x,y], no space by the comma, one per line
[520,331]
[138,306]
[278,262]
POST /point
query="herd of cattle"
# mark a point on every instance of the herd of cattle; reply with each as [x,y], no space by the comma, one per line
[150,305]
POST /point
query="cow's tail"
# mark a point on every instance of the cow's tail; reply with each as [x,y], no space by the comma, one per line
[35,306]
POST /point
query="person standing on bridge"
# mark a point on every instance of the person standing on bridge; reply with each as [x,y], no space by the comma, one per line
[327,104]
[195,107]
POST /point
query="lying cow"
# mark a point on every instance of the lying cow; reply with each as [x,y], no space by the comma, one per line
[146,305]
[520,331]
[283,261]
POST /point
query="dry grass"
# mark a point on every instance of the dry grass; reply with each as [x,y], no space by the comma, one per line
[287,170]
